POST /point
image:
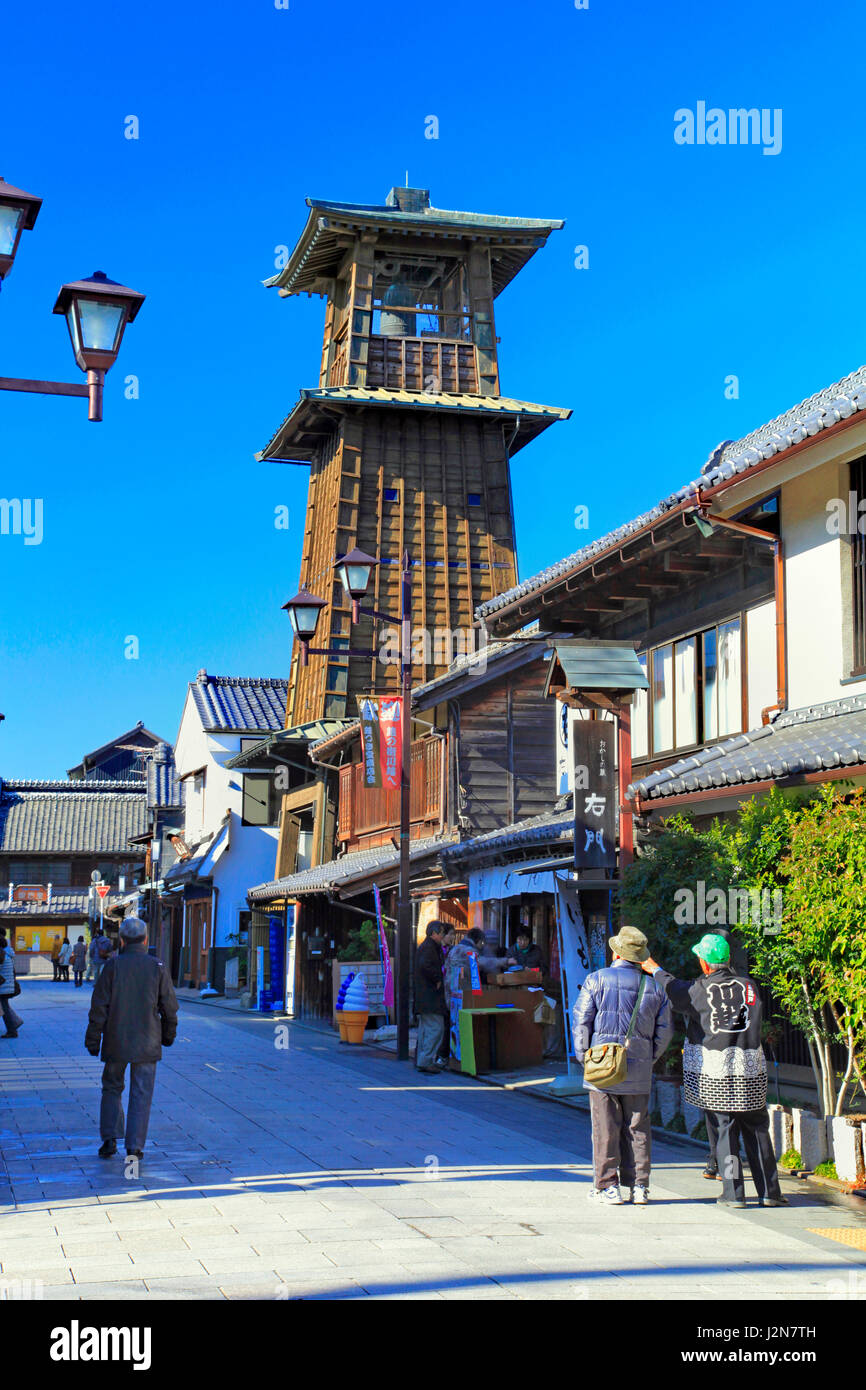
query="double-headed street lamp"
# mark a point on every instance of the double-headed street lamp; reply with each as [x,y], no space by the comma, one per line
[354,572]
[96,310]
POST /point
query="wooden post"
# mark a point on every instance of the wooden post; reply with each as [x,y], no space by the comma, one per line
[626,819]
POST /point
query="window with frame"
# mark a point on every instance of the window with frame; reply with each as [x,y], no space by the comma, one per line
[260,803]
[695,691]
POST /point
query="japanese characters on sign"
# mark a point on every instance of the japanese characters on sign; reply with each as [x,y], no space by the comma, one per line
[595,793]
[380,741]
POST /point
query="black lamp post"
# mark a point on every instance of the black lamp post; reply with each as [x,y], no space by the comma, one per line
[354,572]
[96,310]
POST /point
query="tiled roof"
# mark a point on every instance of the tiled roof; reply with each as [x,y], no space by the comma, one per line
[319,250]
[164,787]
[812,739]
[60,817]
[138,732]
[345,870]
[240,704]
[837,402]
[552,828]
[65,902]
[288,442]
[312,733]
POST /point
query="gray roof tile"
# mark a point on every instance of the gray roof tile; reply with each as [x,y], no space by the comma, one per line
[345,870]
[60,817]
[241,704]
[837,402]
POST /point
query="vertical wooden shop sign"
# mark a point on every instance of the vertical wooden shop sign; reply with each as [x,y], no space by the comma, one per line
[595,793]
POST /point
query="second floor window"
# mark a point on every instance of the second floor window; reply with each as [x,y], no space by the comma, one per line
[695,691]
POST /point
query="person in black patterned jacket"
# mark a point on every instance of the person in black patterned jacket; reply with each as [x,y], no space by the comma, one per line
[724,1069]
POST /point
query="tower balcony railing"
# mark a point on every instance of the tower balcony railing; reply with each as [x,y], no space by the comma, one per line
[422,364]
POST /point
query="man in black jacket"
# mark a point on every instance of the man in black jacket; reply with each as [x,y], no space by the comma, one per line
[134,1012]
[724,1071]
[430,997]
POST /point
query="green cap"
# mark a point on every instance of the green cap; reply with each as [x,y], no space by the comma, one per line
[713,949]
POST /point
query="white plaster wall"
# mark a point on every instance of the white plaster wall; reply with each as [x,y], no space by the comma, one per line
[252,855]
[816,580]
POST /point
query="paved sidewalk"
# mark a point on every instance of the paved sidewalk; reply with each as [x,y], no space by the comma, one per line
[282,1165]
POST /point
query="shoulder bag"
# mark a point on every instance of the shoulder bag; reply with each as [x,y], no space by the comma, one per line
[607,1063]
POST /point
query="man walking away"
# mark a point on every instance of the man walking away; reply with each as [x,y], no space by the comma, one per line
[7,988]
[613,1007]
[430,997]
[55,957]
[79,960]
[724,1071]
[134,1012]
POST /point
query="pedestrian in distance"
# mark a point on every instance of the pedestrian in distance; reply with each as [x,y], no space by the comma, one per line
[430,997]
[724,1069]
[100,950]
[55,957]
[64,958]
[621,1028]
[9,987]
[79,960]
[133,1013]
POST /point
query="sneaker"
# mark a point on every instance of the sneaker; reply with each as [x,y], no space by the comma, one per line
[108,1149]
[723,1202]
[135,1153]
[711,1173]
[640,1195]
[608,1196]
[441,1063]
[773,1202]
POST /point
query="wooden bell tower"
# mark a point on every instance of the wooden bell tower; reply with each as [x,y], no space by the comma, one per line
[407,436]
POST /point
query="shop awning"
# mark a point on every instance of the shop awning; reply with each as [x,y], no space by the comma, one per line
[588,664]
[286,746]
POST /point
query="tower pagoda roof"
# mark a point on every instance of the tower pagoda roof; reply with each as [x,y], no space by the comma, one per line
[299,436]
[407,213]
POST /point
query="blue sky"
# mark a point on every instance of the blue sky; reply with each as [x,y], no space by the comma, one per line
[704,262]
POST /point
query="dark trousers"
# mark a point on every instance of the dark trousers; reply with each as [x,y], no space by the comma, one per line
[142,1076]
[753,1126]
[712,1141]
[621,1139]
[56,965]
[78,976]
[10,1018]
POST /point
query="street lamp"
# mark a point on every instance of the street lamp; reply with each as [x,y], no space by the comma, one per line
[96,310]
[354,574]
[18,213]
[354,571]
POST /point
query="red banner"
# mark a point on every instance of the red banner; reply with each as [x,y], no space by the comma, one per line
[390,723]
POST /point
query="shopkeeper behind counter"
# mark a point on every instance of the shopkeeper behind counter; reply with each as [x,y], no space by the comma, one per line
[529,956]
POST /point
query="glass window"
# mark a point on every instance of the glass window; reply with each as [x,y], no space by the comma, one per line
[640,717]
[711,713]
[257,808]
[663,699]
[729,679]
[685,703]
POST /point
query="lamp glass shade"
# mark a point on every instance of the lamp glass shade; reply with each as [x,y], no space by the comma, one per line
[101,324]
[354,571]
[303,611]
[10,223]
